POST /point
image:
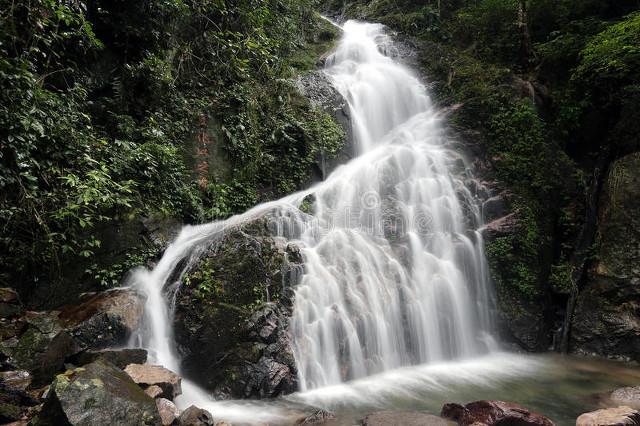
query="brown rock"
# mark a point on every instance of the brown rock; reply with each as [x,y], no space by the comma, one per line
[168,411]
[493,413]
[118,357]
[154,391]
[404,418]
[619,416]
[194,416]
[105,319]
[147,375]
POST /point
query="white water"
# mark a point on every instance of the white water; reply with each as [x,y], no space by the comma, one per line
[395,273]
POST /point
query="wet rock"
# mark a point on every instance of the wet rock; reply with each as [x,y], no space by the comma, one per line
[169,413]
[97,394]
[194,416]
[42,346]
[118,357]
[232,315]
[610,417]
[317,87]
[148,375]
[106,319]
[154,391]
[404,418]
[629,396]
[493,413]
[318,417]
[500,227]
[607,315]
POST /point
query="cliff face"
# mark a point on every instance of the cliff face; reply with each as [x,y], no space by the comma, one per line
[607,317]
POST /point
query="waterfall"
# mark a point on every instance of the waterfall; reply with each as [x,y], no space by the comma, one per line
[398,276]
[395,273]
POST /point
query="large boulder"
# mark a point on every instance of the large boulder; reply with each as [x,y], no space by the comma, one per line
[232,314]
[41,346]
[168,411]
[607,315]
[493,413]
[154,375]
[619,416]
[98,393]
[105,319]
[404,418]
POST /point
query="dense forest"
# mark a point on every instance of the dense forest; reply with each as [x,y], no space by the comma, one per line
[122,121]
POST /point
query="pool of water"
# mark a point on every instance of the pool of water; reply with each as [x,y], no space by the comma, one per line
[560,387]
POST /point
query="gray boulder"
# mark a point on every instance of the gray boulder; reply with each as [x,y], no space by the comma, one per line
[97,394]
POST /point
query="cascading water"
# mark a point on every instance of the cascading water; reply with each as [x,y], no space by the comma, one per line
[395,273]
[398,274]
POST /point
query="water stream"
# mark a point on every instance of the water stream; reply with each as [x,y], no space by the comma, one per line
[395,305]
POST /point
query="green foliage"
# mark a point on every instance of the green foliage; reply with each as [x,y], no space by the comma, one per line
[99,108]
[611,59]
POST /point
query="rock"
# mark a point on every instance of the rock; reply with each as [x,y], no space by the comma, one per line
[154,391]
[148,375]
[629,396]
[106,319]
[194,416]
[168,411]
[493,413]
[318,417]
[237,343]
[17,379]
[42,346]
[404,418]
[607,320]
[610,417]
[118,357]
[317,87]
[14,402]
[98,393]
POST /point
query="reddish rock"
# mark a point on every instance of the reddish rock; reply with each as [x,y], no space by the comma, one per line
[493,413]
[154,391]
[148,375]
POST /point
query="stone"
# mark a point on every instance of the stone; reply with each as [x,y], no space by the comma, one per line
[606,320]
[317,417]
[169,413]
[148,375]
[118,357]
[493,413]
[628,396]
[105,319]
[237,344]
[154,391]
[194,416]
[404,418]
[14,402]
[618,416]
[97,394]
[17,379]
[41,348]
